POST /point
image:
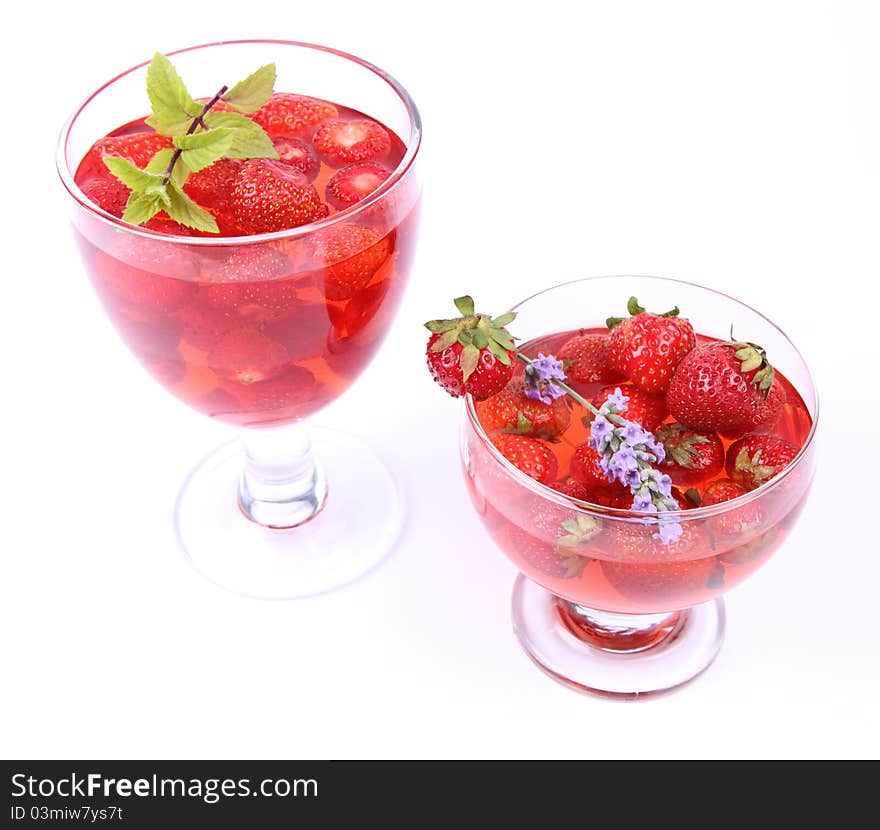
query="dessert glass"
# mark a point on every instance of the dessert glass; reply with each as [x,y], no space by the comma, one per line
[647,618]
[255,515]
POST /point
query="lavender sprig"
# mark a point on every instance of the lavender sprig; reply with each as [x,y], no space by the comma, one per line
[627,452]
[540,377]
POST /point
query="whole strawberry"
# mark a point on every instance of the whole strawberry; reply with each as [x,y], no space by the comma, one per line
[529,455]
[648,411]
[273,196]
[555,540]
[584,468]
[734,523]
[350,256]
[472,354]
[647,347]
[246,356]
[754,459]
[670,576]
[690,455]
[725,387]
[585,357]
[512,411]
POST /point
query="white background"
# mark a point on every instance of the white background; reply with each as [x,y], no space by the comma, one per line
[732,144]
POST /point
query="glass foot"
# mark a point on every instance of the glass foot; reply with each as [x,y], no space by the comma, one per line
[616,655]
[348,535]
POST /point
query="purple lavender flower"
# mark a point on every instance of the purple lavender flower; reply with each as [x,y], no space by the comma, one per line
[538,377]
[618,401]
[633,434]
[600,430]
[668,531]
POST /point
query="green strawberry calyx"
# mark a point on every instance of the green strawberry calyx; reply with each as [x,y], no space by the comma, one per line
[634,308]
[753,357]
[475,332]
[578,529]
[751,466]
[680,444]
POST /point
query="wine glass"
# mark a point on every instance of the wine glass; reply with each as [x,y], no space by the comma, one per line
[614,611]
[255,515]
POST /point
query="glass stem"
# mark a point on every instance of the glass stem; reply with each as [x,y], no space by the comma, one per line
[282,485]
[618,632]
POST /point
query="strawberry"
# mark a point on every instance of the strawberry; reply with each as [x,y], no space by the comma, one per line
[754,459]
[362,309]
[163,223]
[299,154]
[287,395]
[211,189]
[138,148]
[286,115]
[248,283]
[161,279]
[573,489]
[646,410]
[303,330]
[246,356]
[647,347]
[690,455]
[647,571]
[511,411]
[585,357]
[273,196]
[545,558]
[584,468]
[555,540]
[737,521]
[350,256]
[725,387]
[349,142]
[529,455]
[108,193]
[218,403]
[203,326]
[353,183]
[472,354]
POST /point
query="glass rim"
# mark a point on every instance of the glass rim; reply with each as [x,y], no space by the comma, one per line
[639,516]
[397,175]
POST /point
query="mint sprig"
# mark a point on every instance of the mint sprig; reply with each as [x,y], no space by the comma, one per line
[201,137]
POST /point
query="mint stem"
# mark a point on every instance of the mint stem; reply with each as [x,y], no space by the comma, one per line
[615,419]
[198,121]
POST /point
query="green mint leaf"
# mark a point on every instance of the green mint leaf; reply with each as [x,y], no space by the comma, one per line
[173,108]
[142,207]
[184,210]
[159,164]
[131,176]
[251,93]
[201,150]
[249,140]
